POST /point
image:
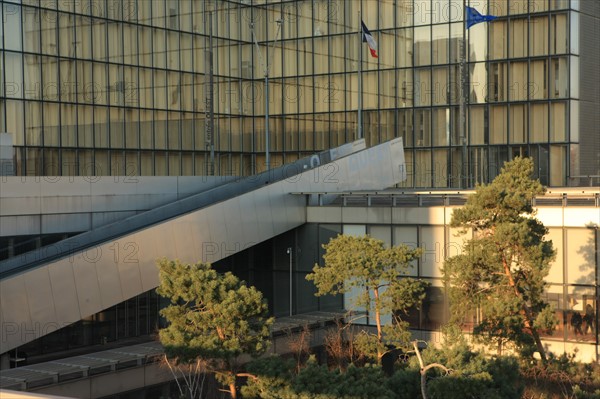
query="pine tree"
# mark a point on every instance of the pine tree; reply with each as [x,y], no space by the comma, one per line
[214,317]
[381,274]
[501,269]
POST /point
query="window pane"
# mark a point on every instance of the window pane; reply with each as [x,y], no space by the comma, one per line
[49,24]
[476,125]
[581,257]
[477,43]
[422,127]
[85,129]
[83,31]
[441,126]
[404,43]
[440,44]
[478,82]
[558,165]
[538,123]
[555,275]
[498,124]
[422,90]
[174,164]
[518,123]
[558,78]
[100,84]
[158,50]
[173,131]
[518,81]
[66,35]
[101,128]
[31,29]
[51,124]
[518,35]
[99,39]
[68,81]
[132,122]
[14,124]
[423,173]
[498,86]
[434,309]
[115,42]
[68,125]
[160,130]
[173,50]
[559,39]
[498,39]
[440,86]
[538,36]
[432,242]
[13,69]
[440,168]
[12,24]
[422,45]
[558,121]
[68,162]
[421,12]
[160,89]
[32,83]
[33,123]
[537,85]
[581,314]
[146,128]
[405,126]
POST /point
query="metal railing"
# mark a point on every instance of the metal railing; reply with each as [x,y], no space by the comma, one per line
[572,198]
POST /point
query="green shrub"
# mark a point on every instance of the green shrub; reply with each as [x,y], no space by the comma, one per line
[405,384]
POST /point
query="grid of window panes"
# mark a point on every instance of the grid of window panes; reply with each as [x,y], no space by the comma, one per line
[118,86]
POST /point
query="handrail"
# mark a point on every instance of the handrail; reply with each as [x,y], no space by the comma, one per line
[421,199]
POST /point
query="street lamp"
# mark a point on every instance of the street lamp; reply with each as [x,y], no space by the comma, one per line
[289,252]
[266,66]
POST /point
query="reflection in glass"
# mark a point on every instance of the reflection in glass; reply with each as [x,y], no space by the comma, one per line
[422,46]
[581,314]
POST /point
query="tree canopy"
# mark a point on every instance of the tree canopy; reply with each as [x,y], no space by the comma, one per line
[501,269]
[212,316]
[381,275]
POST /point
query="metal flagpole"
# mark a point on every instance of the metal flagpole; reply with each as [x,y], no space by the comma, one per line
[463,92]
[360,37]
[209,121]
[266,65]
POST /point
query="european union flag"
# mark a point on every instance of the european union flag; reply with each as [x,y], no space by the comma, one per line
[474,17]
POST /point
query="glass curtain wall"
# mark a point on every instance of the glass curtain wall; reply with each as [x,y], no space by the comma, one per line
[105,87]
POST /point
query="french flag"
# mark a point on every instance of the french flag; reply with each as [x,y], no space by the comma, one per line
[367,37]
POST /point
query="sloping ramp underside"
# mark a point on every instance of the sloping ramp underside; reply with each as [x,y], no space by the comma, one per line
[56,291]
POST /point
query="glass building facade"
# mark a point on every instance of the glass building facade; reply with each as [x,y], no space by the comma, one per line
[120,87]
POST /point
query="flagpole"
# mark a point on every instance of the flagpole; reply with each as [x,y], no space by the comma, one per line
[209,121]
[360,36]
[463,100]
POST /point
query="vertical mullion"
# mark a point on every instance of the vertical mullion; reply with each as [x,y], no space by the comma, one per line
[312,29]
[22,55]
[413,108]
[297,79]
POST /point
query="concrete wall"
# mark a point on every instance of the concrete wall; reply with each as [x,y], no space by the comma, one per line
[32,205]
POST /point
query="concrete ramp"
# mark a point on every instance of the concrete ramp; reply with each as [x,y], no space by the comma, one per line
[46,290]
